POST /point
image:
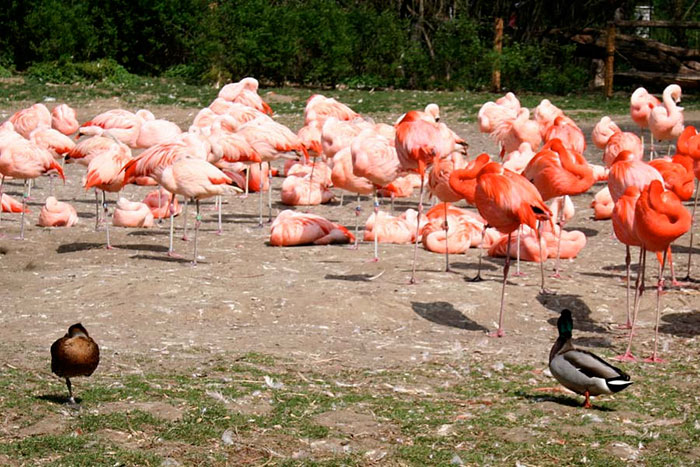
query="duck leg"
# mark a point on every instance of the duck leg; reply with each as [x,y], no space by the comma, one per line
[71,399]
[659,288]
[587,403]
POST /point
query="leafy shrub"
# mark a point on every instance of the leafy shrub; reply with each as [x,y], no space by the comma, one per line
[4,72]
[105,70]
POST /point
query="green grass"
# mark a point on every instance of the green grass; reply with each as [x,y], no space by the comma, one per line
[419,416]
[144,92]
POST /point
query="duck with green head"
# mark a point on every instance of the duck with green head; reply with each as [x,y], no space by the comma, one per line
[581,371]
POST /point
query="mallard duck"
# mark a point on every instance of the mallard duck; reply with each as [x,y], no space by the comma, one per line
[581,371]
[74,354]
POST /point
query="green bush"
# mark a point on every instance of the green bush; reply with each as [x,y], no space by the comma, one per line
[4,72]
[105,70]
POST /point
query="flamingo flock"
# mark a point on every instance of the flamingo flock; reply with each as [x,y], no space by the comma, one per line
[232,145]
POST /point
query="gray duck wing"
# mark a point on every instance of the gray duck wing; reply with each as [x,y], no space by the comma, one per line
[592,365]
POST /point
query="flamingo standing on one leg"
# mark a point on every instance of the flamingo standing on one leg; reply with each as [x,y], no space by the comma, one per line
[659,219]
[506,200]
[689,143]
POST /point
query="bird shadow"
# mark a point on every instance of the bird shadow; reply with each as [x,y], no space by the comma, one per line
[445,314]
[485,266]
[57,399]
[681,324]
[78,246]
[559,399]
[350,277]
[683,249]
[588,232]
[166,259]
[593,342]
[148,233]
[144,247]
[579,309]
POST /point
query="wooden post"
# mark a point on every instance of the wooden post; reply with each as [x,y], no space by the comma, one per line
[498,48]
[609,60]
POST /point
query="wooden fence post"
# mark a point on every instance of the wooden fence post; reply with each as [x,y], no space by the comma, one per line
[610,60]
[497,47]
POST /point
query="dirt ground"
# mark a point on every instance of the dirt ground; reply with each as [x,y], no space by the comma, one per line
[321,306]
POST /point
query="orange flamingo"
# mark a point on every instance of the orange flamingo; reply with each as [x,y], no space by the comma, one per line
[566,130]
[418,142]
[684,146]
[602,204]
[506,200]
[659,219]
[557,171]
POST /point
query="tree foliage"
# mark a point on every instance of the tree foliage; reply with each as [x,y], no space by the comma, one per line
[403,43]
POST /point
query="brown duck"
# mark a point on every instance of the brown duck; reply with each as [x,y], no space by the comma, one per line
[74,354]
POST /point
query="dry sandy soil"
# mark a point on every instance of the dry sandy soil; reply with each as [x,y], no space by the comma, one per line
[322,306]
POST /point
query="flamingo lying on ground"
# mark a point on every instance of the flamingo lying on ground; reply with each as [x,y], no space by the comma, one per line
[292,228]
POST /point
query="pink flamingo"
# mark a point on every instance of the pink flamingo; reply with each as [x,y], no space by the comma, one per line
[9,204]
[641,103]
[510,134]
[245,92]
[157,202]
[27,120]
[292,228]
[63,119]
[343,177]
[545,113]
[56,213]
[155,131]
[666,121]
[20,158]
[119,123]
[602,204]
[382,227]
[132,214]
[105,173]
[603,130]
[566,130]
[194,179]
[319,108]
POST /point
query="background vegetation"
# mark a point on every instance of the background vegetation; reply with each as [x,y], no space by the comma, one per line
[420,44]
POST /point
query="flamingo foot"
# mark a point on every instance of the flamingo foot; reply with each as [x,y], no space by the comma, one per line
[498,333]
[219,232]
[556,275]
[654,359]
[109,247]
[626,357]
[519,274]
[627,325]
[172,254]
[353,247]
[185,238]
[412,281]
[478,278]
[545,291]
[18,237]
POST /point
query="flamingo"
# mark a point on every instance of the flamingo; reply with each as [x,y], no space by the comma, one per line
[641,103]
[506,200]
[374,157]
[343,178]
[291,228]
[566,130]
[418,142]
[510,134]
[545,113]
[557,171]
[684,146]
[105,173]
[602,204]
[245,92]
[64,120]
[659,219]
[666,121]
[603,130]
[384,228]
[319,108]
[155,131]
[27,120]
[132,214]
[623,226]
[119,123]
[56,213]
[194,179]
[20,158]
[9,204]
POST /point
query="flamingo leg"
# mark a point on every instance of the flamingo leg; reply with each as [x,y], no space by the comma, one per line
[358,209]
[184,223]
[260,198]
[24,208]
[556,274]
[97,211]
[197,222]
[543,290]
[171,252]
[692,221]
[638,290]
[447,252]
[659,288]
[517,253]
[342,195]
[392,204]
[415,245]
[160,219]
[2,183]
[51,177]
[311,178]
[500,332]
[106,218]
[674,282]
[628,260]
[247,180]
[269,192]
[478,277]
[219,202]
[376,215]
